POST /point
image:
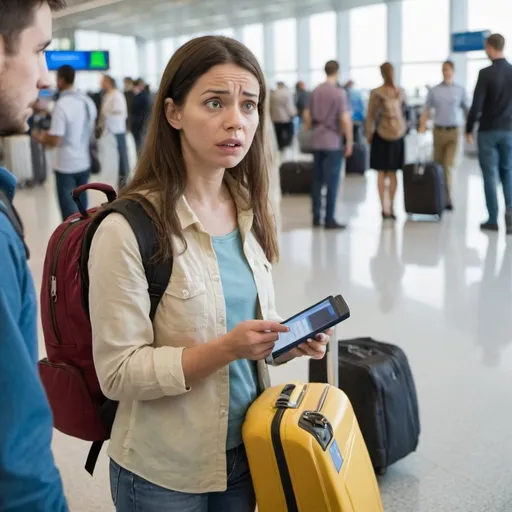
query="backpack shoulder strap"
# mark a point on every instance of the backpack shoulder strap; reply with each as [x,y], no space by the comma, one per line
[139,216]
[7,208]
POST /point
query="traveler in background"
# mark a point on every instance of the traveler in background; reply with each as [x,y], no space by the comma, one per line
[301,99]
[29,479]
[141,111]
[386,126]
[72,127]
[185,382]
[492,101]
[328,115]
[282,112]
[449,100]
[113,120]
[355,100]
[129,94]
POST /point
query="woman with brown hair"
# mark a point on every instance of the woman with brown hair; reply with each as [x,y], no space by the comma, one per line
[185,381]
[386,127]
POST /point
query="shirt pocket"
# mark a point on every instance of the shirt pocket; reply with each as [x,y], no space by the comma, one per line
[186,304]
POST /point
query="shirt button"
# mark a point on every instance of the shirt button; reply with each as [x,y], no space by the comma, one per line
[222,320]
[223,413]
[186,293]
[216,279]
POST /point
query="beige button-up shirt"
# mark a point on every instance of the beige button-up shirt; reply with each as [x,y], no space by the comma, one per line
[170,435]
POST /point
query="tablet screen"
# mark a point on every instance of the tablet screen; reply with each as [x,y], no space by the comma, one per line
[307,322]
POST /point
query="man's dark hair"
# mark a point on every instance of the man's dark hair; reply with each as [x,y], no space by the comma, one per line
[449,63]
[496,41]
[66,73]
[17,15]
[138,82]
[331,68]
[111,80]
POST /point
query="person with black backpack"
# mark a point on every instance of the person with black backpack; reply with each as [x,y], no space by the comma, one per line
[185,377]
[29,479]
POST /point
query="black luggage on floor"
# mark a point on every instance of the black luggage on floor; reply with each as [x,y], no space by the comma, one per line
[378,381]
[38,161]
[424,189]
[357,163]
[296,177]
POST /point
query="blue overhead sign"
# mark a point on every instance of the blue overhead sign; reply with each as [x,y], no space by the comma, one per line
[78,60]
[469,41]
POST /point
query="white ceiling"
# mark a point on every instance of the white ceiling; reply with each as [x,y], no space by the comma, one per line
[155,19]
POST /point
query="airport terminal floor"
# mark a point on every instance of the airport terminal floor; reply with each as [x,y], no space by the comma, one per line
[440,290]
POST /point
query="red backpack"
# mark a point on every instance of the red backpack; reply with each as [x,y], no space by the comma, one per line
[79,407]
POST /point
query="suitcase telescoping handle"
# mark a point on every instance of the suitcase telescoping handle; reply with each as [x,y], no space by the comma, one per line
[332,360]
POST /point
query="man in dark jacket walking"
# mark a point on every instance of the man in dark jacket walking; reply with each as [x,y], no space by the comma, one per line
[29,480]
[492,106]
[141,111]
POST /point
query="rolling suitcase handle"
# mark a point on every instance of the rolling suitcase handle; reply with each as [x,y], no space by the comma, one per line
[332,351]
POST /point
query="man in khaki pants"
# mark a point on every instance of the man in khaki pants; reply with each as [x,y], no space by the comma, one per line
[449,101]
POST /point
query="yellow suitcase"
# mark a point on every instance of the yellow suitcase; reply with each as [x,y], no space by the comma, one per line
[306,452]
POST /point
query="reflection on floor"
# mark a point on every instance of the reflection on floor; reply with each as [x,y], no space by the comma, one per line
[442,291]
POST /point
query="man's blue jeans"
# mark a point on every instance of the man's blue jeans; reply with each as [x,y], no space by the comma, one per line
[495,155]
[327,170]
[66,183]
[132,493]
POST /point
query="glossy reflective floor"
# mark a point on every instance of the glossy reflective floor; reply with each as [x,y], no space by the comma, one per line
[442,291]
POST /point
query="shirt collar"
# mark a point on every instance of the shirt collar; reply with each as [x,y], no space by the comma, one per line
[7,182]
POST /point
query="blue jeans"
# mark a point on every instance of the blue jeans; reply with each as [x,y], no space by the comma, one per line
[327,170]
[495,155]
[124,166]
[132,493]
[66,183]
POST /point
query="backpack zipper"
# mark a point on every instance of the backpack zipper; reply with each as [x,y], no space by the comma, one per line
[53,280]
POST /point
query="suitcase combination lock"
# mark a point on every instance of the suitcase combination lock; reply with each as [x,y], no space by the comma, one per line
[318,426]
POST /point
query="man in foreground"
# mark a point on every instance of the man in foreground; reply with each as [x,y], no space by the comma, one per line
[29,480]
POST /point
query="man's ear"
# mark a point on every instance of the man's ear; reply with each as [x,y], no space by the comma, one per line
[173,114]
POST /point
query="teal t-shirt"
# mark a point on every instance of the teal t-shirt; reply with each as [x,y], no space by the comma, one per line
[241,298]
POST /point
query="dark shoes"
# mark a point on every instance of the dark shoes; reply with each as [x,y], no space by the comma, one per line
[328,225]
[334,225]
[489,226]
[449,207]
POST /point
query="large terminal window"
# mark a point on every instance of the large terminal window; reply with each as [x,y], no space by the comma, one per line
[368,44]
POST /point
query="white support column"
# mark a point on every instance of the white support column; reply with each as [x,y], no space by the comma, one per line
[343,44]
[303,50]
[141,56]
[239,33]
[395,37]
[268,53]
[459,23]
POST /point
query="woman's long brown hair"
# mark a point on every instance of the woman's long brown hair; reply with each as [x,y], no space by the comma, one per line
[161,169]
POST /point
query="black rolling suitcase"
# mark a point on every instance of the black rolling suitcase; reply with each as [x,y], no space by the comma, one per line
[424,189]
[379,383]
[38,161]
[296,177]
[357,163]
